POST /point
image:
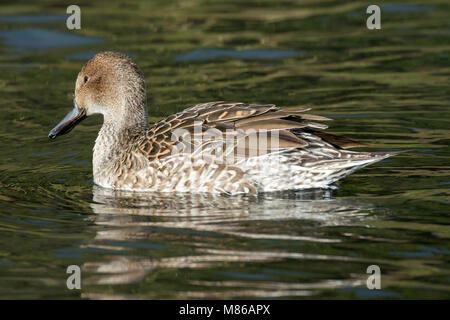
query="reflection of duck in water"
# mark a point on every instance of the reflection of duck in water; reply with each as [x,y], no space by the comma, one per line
[207,231]
[226,215]
[218,147]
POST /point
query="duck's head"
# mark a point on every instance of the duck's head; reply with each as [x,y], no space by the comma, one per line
[110,84]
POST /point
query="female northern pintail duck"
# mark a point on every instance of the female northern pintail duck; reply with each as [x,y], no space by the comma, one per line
[223,147]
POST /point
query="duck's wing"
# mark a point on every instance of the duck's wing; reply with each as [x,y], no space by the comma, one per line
[270,117]
[227,120]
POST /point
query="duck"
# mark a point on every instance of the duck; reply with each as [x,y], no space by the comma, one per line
[214,147]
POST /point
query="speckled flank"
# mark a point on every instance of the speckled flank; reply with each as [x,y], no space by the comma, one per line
[173,154]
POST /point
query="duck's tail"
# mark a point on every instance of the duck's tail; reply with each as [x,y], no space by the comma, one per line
[349,162]
[291,171]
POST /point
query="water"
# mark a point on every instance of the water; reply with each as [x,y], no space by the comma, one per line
[387,88]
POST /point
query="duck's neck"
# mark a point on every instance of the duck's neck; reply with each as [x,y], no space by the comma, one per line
[114,137]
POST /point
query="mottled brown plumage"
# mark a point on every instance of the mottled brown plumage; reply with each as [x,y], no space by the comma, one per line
[236,117]
[228,147]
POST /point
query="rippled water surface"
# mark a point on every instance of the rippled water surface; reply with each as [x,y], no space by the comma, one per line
[388,88]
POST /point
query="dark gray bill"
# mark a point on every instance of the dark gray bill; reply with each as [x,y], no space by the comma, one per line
[69,122]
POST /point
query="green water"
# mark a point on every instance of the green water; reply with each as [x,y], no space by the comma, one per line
[388,88]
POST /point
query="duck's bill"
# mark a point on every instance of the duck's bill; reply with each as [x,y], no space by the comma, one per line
[69,122]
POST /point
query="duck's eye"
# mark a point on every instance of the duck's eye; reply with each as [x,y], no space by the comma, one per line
[86,78]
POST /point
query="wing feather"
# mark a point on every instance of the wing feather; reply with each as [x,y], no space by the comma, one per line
[230,120]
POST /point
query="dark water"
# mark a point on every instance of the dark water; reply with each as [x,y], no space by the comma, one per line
[388,88]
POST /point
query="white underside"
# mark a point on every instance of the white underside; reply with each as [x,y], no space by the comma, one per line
[268,173]
[276,173]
